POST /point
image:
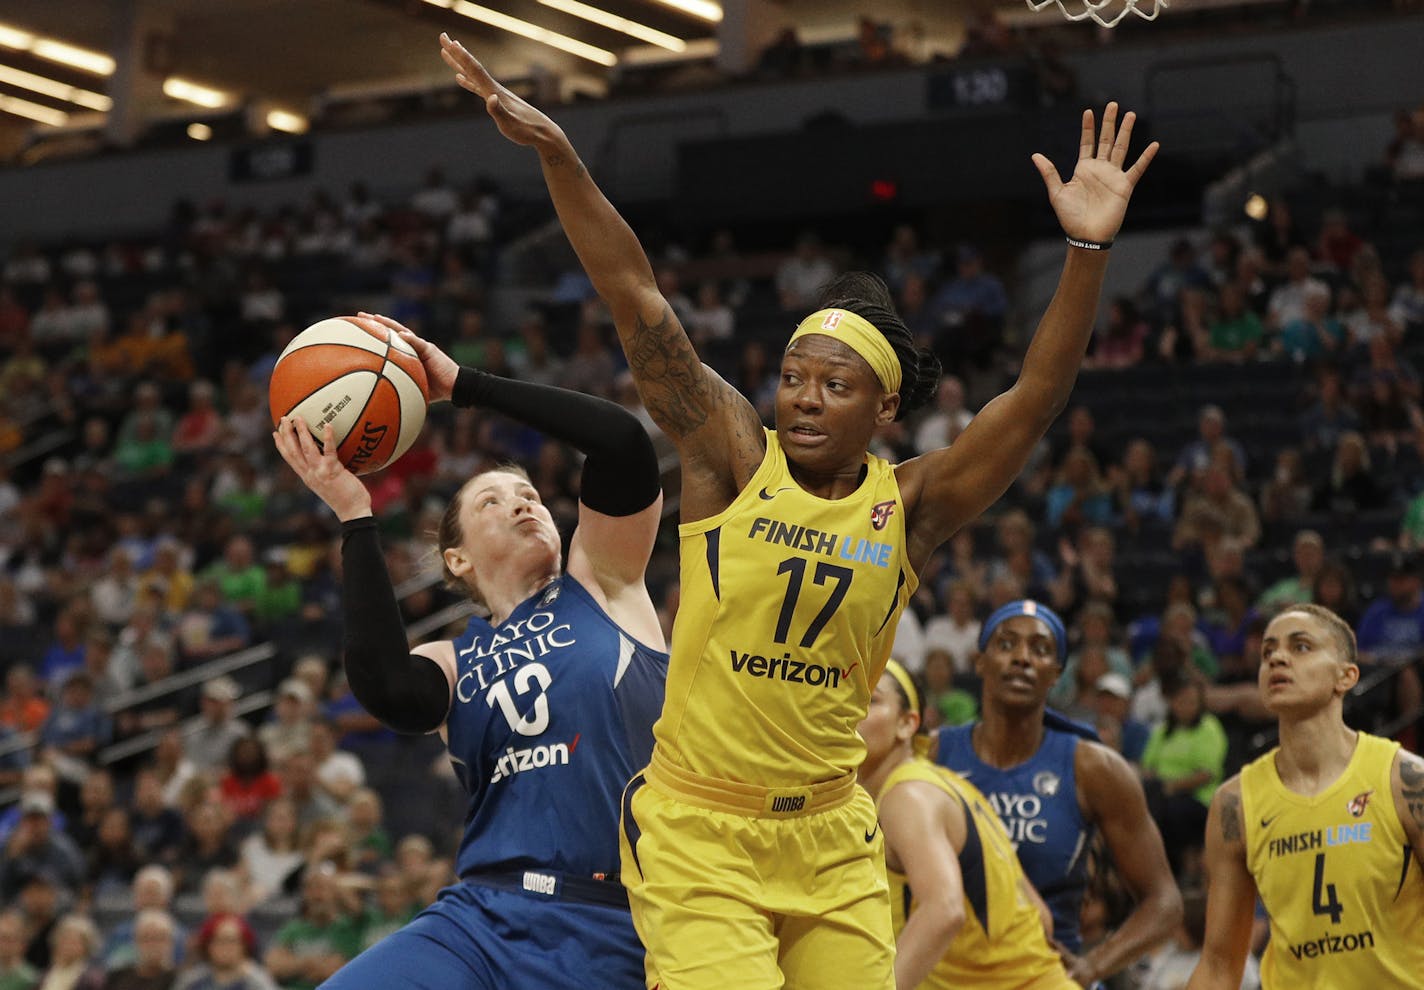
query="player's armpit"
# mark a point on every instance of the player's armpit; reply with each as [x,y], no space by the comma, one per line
[1407,782]
[1231,894]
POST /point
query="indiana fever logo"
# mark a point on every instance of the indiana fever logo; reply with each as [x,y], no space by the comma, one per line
[1358,803]
[881,512]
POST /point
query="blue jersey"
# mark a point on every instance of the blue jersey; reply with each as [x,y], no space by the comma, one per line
[1038,803]
[552,715]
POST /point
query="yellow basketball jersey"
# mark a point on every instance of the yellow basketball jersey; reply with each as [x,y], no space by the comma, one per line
[788,612]
[1002,945]
[1335,872]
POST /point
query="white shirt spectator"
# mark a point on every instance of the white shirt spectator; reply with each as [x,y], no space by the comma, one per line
[960,642]
[1287,302]
[1148,705]
[88,315]
[468,226]
[436,201]
[909,647]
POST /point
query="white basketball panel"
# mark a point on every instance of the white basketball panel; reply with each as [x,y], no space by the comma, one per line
[412,405]
[335,331]
[339,402]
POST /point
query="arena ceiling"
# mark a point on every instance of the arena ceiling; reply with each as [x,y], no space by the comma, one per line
[287,53]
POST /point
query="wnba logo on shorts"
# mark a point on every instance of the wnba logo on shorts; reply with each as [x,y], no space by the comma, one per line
[786,802]
[832,320]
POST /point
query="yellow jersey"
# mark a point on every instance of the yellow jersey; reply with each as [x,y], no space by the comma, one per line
[788,612]
[1002,945]
[1335,873]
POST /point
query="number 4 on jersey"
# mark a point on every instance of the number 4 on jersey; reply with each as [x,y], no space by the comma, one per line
[1330,904]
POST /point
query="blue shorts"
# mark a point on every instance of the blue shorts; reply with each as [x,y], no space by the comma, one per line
[479,938]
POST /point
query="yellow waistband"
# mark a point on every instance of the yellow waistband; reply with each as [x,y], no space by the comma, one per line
[752,800]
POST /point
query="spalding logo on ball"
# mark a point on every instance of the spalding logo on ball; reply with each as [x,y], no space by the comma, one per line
[360,377]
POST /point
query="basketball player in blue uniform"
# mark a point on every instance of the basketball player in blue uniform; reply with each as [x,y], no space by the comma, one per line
[546,705]
[1053,787]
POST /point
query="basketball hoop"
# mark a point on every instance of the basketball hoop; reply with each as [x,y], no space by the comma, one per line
[1102,10]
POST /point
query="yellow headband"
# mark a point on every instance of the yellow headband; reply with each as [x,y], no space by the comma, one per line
[860,335]
[902,678]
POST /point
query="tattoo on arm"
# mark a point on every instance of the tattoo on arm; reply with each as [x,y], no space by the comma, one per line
[1411,779]
[673,381]
[555,159]
[1230,818]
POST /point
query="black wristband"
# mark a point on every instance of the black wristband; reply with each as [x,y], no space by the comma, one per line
[1088,245]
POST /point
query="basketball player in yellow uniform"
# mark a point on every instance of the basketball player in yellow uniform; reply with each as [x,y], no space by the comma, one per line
[1328,829]
[963,912]
[752,859]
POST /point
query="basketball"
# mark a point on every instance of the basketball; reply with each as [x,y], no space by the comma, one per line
[360,377]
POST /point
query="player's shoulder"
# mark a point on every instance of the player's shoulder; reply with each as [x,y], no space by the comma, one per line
[1407,773]
[1107,782]
[1094,761]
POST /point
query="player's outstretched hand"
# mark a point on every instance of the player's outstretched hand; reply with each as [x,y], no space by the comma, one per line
[440,368]
[517,120]
[1091,204]
[320,469]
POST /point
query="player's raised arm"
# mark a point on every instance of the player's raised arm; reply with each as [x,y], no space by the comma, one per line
[688,400]
[620,491]
[1230,893]
[947,488]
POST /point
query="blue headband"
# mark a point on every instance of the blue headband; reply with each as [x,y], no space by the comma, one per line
[1034,610]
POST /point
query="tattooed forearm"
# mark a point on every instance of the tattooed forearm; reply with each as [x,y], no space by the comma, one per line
[556,158]
[1231,818]
[669,375]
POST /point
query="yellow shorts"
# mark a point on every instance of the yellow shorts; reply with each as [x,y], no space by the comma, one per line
[740,886]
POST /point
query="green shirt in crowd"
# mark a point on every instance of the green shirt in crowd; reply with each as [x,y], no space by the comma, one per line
[307,940]
[1186,750]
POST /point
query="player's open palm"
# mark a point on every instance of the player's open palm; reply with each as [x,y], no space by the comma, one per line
[1091,204]
[320,469]
[517,120]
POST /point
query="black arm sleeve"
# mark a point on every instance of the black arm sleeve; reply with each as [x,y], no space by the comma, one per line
[408,693]
[620,472]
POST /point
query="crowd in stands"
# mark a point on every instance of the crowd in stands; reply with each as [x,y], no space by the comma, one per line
[1248,435]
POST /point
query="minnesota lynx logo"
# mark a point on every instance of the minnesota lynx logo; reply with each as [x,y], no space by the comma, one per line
[881,512]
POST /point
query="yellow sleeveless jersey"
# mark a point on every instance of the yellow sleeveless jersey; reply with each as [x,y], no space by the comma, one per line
[1337,877]
[788,612]
[1002,945]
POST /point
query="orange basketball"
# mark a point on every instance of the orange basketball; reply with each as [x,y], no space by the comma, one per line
[360,377]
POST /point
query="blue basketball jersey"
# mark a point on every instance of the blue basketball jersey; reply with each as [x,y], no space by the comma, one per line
[552,715]
[1038,804]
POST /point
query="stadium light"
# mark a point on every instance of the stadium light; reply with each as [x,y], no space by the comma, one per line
[200,132]
[34,111]
[527,30]
[283,120]
[633,29]
[191,92]
[53,87]
[54,50]
[704,10]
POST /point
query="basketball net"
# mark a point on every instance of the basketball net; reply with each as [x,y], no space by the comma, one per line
[1103,11]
